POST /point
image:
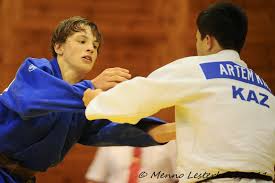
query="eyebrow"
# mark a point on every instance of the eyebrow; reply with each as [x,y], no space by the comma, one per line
[81,35]
[86,37]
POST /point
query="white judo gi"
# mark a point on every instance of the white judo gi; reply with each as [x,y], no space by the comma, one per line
[225,113]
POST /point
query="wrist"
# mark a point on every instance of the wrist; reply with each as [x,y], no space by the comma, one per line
[94,85]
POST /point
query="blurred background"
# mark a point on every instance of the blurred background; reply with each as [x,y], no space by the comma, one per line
[140,35]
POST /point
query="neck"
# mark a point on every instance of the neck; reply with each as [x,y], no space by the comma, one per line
[215,47]
[214,51]
[68,74]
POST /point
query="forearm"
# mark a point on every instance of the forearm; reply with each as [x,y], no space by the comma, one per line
[45,94]
[105,133]
[131,100]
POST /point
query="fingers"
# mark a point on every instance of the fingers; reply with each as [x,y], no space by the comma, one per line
[123,73]
[118,69]
[111,77]
[117,79]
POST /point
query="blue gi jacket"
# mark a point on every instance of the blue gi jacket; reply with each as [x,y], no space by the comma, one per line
[42,117]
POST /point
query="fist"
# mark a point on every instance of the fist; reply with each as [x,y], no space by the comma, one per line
[89,95]
[163,133]
[110,77]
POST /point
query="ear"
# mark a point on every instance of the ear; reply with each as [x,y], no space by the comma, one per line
[58,48]
[209,42]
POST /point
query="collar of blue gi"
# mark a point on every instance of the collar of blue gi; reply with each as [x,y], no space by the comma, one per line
[56,68]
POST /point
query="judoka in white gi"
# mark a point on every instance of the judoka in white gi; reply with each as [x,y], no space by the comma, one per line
[225,128]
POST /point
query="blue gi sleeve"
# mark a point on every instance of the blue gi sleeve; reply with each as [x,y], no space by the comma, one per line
[105,133]
[35,91]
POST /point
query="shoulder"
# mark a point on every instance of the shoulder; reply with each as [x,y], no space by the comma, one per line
[194,60]
[37,63]
[184,63]
[181,67]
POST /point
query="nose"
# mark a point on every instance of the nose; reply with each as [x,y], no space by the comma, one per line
[91,49]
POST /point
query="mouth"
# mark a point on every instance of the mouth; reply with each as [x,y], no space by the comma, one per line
[87,58]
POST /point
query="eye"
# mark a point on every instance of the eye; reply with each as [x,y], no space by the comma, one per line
[96,46]
[81,41]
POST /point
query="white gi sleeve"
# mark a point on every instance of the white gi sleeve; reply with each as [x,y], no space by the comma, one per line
[141,97]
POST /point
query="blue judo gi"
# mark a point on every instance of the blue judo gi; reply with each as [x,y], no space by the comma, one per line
[42,117]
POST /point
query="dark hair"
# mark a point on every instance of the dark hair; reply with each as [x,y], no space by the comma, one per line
[69,26]
[226,22]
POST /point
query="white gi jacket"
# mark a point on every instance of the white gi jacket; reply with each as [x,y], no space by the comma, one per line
[225,113]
